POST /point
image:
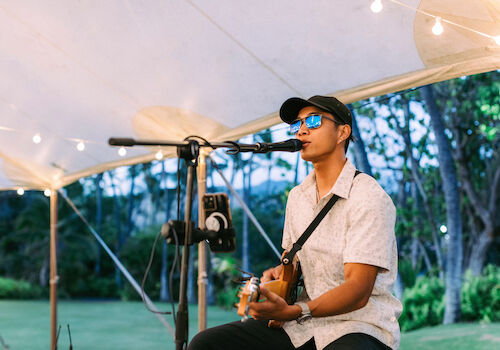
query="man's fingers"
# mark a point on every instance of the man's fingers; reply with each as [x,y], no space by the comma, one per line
[272,297]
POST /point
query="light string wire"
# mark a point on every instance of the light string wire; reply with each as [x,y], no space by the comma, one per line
[402,4]
[81,142]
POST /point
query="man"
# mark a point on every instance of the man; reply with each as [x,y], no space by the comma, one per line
[349,264]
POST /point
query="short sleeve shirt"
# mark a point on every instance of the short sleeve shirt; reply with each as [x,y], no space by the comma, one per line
[358,229]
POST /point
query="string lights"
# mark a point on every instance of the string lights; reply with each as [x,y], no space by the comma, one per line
[122,151]
[377,6]
[37,138]
[437,28]
[47,192]
[80,146]
[159,155]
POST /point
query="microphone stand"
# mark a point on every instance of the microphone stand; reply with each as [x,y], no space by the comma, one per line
[189,151]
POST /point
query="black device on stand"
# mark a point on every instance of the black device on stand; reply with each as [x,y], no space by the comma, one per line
[219,233]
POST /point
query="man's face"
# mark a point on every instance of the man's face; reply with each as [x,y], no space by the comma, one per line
[321,142]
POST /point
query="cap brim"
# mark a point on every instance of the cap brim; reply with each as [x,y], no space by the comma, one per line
[290,109]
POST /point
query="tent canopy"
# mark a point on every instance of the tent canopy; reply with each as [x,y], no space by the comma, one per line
[87,70]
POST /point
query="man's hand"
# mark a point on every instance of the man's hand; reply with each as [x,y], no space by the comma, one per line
[273,307]
[271,274]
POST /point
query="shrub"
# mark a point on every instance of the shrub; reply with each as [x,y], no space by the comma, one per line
[13,289]
[423,304]
[481,296]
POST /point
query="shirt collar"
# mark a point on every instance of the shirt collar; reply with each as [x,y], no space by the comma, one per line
[341,188]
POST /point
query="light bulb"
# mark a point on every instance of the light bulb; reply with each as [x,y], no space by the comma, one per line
[122,151]
[497,39]
[20,191]
[377,6]
[47,192]
[80,146]
[159,155]
[443,229]
[437,29]
[37,138]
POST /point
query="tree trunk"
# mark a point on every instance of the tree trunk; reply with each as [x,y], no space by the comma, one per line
[297,166]
[130,210]
[164,292]
[484,207]
[97,268]
[210,276]
[419,182]
[360,155]
[191,291]
[117,210]
[44,272]
[454,220]
[245,249]
[479,250]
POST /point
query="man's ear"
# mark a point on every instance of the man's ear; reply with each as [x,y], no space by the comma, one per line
[345,132]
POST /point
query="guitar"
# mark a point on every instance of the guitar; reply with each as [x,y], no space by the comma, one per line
[283,286]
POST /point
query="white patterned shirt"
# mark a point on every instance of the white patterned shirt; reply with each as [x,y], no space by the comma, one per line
[358,229]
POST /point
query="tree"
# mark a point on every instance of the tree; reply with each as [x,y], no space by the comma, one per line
[472,110]
[453,215]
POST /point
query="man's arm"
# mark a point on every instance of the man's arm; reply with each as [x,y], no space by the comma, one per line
[352,295]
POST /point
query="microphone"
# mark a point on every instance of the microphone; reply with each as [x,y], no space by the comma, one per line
[291,145]
[121,141]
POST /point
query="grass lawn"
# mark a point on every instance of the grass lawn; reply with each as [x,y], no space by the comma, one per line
[128,325]
[473,336]
[94,325]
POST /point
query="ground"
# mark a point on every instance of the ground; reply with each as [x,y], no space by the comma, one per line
[128,325]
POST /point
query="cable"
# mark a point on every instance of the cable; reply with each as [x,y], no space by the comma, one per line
[151,257]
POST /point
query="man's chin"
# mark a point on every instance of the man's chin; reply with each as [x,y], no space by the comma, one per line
[307,156]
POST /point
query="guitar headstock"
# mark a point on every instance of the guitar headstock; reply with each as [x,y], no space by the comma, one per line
[248,293]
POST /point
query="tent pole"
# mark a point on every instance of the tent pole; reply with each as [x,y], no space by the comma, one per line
[53,268]
[202,246]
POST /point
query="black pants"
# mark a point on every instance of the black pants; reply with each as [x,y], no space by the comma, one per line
[255,335]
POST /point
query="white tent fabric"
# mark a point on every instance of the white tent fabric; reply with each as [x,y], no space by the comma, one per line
[88,70]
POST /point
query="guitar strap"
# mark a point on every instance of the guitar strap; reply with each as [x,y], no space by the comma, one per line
[288,258]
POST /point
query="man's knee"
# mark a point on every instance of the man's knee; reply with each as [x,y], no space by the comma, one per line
[201,341]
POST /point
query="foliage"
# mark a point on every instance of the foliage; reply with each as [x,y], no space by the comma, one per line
[224,268]
[12,289]
[423,304]
[481,296]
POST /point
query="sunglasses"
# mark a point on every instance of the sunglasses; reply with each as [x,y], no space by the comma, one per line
[312,121]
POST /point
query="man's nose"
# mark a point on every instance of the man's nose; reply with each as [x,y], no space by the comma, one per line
[304,130]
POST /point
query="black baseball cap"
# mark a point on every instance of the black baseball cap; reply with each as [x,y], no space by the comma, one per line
[290,108]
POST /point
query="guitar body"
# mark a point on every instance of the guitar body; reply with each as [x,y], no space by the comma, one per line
[282,286]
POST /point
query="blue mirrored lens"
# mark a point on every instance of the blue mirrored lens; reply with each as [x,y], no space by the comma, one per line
[295,127]
[313,121]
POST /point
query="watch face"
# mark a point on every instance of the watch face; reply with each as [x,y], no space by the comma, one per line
[303,318]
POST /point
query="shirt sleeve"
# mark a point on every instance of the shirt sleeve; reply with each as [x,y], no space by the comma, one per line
[370,232]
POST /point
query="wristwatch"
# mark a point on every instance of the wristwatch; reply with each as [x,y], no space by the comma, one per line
[305,315]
